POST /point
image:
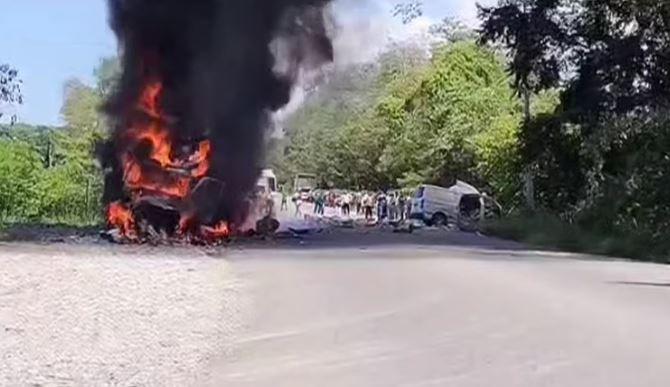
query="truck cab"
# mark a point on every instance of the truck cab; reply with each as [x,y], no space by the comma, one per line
[267,184]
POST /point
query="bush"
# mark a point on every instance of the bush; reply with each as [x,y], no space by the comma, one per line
[69,196]
[20,171]
[31,192]
[546,230]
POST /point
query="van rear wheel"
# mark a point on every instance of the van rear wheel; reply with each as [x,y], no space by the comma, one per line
[439,220]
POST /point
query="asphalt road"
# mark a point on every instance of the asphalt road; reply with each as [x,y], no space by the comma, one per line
[343,309]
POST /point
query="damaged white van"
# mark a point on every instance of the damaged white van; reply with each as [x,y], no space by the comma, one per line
[459,204]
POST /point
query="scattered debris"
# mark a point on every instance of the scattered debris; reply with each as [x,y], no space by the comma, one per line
[403,226]
[267,226]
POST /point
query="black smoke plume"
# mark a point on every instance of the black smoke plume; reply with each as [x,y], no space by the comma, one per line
[226,65]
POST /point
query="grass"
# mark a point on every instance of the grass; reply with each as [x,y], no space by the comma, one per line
[548,231]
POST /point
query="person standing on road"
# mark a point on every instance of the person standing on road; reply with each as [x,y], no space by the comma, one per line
[284,201]
[269,204]
[357,202]
[316,204]
[381,206]
[408,210]
[392,206]
[331,199]
[401,206]
[298,203]
[346,204]
[367,205]
[322,205]
[319,200]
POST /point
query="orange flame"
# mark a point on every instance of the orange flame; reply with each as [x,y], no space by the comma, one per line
[164,172]
[157,135]
[120,217]
[218,232]
[201,158]
[155,132]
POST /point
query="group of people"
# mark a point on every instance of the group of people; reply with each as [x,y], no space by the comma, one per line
[392,206]
[380,205]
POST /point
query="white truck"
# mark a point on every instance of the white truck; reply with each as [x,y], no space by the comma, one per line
[303,185]
[267,183]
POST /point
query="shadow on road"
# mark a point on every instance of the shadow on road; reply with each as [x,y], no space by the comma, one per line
[642,283]
[41,232]
[374,237]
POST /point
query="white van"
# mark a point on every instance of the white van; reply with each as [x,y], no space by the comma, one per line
[439,205]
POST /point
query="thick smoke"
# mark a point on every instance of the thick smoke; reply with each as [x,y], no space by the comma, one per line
[225,65]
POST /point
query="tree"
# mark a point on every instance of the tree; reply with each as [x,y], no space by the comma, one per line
[107,75]
[534,38]
[19,178]
[449,29]
[10,87]
[334,132]
[425,120]
[84,124]
[42,138]
[452,30]
[443,129]
[408,11]
[620,57]
[49,173]
[611,55]
[78,178]
[596,157]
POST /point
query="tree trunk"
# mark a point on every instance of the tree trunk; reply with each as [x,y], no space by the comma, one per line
[525,93]
[87,202]
[528,186]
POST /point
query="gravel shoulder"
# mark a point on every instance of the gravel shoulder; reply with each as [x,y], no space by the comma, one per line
[96,316]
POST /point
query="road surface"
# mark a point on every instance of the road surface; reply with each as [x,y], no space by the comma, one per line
[342,309]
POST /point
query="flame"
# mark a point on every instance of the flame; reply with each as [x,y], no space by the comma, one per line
[155,132]
[162,171]
[136,180]
[186,223]
[218,232]
[120,217]
[209,234]
[163,180]
[201,158]
[150,98]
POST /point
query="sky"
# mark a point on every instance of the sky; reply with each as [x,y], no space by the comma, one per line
[51,41]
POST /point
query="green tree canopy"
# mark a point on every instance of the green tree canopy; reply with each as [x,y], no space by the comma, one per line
[412,119]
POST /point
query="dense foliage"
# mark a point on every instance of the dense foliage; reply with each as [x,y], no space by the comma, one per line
[600,159]
[414,117]
[48,174]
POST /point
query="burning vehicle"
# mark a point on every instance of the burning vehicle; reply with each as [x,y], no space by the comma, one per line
[192,110]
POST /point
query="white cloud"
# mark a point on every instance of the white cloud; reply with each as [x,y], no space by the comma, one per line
[467,10]
[359,40]
[370,23]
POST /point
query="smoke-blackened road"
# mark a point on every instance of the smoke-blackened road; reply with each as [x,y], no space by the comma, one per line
[406,310]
